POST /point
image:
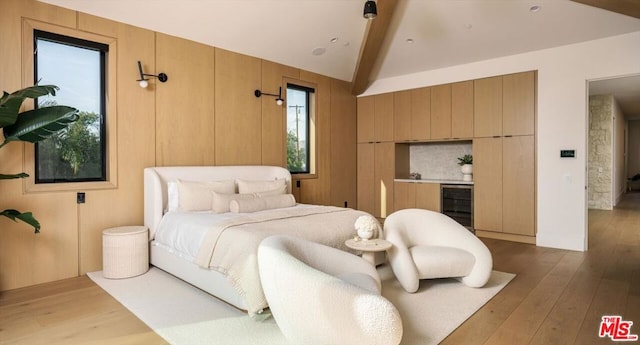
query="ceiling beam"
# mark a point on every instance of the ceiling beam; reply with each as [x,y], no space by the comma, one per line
[370,49]
[627,7]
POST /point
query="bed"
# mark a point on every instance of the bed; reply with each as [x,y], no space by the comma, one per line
[216,250]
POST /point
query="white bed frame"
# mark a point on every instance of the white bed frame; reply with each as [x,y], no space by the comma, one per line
[155,202]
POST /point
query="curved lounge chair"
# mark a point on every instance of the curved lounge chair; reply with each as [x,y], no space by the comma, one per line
[322,295]
[429,244]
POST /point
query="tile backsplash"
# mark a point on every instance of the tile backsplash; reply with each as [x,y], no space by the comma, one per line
[438,161]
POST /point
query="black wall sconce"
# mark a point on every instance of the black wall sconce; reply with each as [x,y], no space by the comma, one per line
[144,81]
[370,9]
[279,99]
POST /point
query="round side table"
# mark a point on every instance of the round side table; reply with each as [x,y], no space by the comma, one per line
[125,251]
[369,247]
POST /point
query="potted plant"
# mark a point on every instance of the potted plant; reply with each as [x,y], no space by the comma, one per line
[30,126]
[466,166]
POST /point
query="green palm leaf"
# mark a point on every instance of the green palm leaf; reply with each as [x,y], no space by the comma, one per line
[26,217]
[10,103]
[38,124]
[12,176]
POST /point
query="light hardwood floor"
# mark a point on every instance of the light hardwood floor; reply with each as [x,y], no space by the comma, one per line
[557,297]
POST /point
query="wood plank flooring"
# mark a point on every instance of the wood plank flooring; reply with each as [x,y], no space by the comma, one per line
[557,297]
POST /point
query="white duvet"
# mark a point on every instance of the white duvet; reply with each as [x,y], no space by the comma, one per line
[233,250]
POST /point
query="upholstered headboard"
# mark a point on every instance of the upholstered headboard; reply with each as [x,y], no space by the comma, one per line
[156,179]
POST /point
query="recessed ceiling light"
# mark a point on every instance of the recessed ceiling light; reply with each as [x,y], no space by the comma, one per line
[535,8]
[334,40]
[409,40]
[318,51]
[468,26]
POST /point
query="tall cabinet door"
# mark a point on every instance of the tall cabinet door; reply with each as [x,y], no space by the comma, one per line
[518,184]
[421,113]
[518,110]
[487,176]
[365,129]
[441,111]
[366,178]
[462,109]
[383,117]
[487,107]
[402,116]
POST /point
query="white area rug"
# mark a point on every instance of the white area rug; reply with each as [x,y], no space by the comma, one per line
[185,315]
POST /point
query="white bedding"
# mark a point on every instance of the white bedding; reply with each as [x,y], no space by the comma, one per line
[233,247]
[176,236]
[183,232]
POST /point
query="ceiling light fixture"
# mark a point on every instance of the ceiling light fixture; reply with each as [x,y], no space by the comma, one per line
[144,82]
[370,9]
[279,99]
[535,8]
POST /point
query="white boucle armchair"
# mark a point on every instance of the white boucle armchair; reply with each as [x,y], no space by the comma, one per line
[429,244]
[322,295]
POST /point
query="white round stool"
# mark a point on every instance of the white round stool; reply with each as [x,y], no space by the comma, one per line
[125,251]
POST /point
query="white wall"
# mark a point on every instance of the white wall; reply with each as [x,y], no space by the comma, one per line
[619,172]
[563,73]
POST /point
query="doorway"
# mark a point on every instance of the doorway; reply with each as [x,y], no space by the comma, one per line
[613,142]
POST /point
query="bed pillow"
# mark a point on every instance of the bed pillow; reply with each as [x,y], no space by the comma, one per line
[221,201]
[260,204]
[196,195]
[276,191]
[172,196]
[258,186]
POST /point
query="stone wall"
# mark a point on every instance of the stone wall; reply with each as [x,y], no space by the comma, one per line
[600,152]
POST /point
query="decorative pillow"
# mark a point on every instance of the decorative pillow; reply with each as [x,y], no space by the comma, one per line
[249,186]
[276,191]
[221,201]
[259,204]
[196,195]
[172,196]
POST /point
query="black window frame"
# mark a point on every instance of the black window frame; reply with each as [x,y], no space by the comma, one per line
[308,91]
[103,49]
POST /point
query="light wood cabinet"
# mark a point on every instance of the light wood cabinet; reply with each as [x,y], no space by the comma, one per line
[487,185]
[504,185]
[383,117]
[412,114]
[365,132]
[441,112]
[518,185]
[422,195]
[487,107]
[462,110]
[518,103]
[375,118]
[428,196]
[376,171]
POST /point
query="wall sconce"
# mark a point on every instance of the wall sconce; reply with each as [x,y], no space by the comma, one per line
[370,9]
[279,99]
[144,81]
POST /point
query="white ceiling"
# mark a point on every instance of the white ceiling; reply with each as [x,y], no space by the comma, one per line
[444,32]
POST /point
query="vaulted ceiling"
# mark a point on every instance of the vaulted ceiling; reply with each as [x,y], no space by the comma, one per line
[331,37]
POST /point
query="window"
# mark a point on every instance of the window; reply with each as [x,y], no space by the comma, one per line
[300,126]
[78,67]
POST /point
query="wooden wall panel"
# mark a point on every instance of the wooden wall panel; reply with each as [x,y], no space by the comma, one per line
[205,114]
[274,149]
[318,190]
[185,103]
[27,258]
[238,129]
[343,180]
[136,135]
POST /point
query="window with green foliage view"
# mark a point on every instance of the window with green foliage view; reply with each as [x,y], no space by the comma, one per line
[299,108]
[78,67]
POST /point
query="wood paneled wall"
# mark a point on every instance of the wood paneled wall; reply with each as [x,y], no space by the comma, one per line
[205,114]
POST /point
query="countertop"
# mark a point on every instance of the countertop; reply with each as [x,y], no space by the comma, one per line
[435,181]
